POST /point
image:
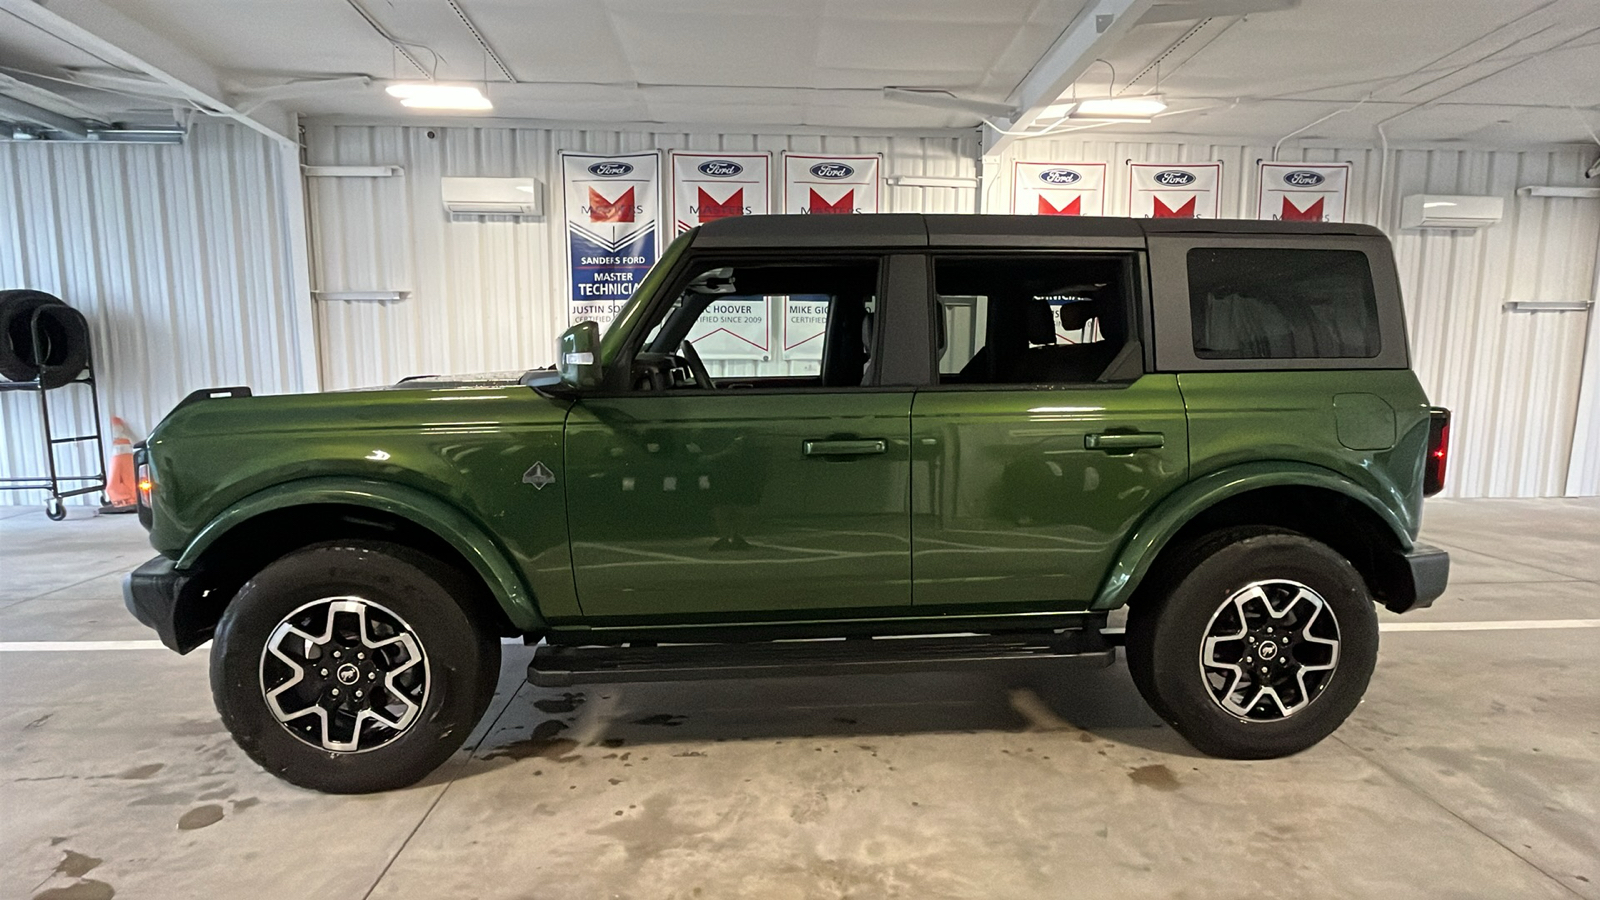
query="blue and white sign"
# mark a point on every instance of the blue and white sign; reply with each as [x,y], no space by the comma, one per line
[612,207]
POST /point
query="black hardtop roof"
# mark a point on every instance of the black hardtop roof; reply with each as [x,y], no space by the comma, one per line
[944,230]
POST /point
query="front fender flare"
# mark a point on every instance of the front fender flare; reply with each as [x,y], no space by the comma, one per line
[1170,515]
[425,510]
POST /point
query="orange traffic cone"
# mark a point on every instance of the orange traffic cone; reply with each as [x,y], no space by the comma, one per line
[120,488]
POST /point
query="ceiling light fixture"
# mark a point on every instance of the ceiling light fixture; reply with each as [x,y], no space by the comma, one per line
[425,95]
[1120,109]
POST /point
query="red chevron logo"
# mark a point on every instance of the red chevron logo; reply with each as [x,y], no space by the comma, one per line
[603,210]
[1291,213]
[845,204]
[1071,209]
[1163,211]
[710,209]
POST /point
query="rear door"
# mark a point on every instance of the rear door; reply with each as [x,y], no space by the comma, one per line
[1046,440]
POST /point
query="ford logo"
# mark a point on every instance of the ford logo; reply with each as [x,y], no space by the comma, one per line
[610,169]
[832,170]
[1060,176]
[720,168]
[1174,178]
[1302,178]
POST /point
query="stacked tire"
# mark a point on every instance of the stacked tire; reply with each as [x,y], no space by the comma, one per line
[62,352]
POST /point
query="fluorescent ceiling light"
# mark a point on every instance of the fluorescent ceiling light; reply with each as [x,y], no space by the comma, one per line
[1437,203]
[1056,111]
[1120,108]
[423,95]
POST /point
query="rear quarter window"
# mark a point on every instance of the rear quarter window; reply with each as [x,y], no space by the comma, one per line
[1282,303]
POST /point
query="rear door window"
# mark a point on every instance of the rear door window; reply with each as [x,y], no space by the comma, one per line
[1039,319]
[1282,303]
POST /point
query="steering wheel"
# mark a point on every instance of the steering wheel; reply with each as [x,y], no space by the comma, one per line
[702,377]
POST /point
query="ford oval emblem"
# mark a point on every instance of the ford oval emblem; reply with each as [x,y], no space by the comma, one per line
[1302,178]
[832,170]
[1060,176]
[610,169]
[720,168]
[1174,178]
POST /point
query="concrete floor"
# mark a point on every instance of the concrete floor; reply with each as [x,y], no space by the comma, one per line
[1472,769]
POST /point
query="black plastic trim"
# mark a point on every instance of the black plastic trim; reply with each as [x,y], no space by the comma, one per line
[157,594]
[560,666]
[1430,575]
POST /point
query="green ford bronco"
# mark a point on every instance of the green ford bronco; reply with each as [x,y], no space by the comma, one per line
[913,440]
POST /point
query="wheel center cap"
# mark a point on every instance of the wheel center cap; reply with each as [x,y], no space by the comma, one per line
[1267,650]
[348,673]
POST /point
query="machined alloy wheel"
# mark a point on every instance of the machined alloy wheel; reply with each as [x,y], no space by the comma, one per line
[354,666]
[1269,650]
[344,674]
[1253,642]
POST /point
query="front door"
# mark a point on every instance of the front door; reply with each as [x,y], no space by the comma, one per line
[759,470]
[1045,442]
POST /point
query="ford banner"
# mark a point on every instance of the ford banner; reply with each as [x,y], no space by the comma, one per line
[826,185]
[1175,191]
[709,186]
[1058,189]
[1302,192]
[612,207]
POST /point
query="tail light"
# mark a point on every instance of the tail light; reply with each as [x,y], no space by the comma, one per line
[1433,468]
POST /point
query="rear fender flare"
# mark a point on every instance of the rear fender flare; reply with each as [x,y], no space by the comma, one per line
[1160,525]
[505,583]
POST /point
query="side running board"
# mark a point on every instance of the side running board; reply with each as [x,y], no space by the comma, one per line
[562,666]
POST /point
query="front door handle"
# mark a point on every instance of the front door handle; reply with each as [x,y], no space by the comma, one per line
[1123,443]
[843,448]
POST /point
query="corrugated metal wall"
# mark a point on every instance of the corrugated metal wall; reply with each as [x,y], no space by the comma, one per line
[487,295]
[1583,475]
[1511,378]
[178,255]
[182,257]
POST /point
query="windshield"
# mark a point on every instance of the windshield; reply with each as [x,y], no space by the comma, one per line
[611,344]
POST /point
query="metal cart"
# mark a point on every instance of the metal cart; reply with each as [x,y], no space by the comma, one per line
[55,482]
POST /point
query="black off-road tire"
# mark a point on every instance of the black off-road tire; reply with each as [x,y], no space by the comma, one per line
[1167,627]
[428,596]
[65,340]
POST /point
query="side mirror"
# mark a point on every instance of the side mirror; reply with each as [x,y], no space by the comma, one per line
[578,356]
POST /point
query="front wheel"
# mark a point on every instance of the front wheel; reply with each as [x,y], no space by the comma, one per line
[1258,644]
[351,667]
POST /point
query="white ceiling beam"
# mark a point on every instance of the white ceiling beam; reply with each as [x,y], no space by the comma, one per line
[106,33]
[1097,29]
[1195,10]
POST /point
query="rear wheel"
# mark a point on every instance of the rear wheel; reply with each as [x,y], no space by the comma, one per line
[352,667]
[1258,644]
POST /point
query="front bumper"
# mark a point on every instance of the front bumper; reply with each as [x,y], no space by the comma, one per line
[1429,568]
[158,595]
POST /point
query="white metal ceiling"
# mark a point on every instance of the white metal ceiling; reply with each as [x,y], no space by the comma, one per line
[1484,72]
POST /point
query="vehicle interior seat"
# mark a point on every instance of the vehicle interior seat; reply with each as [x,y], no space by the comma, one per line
[1074,362]
[844,348]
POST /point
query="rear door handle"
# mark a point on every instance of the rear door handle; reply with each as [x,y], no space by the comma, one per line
[1123,443]
[844,448]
